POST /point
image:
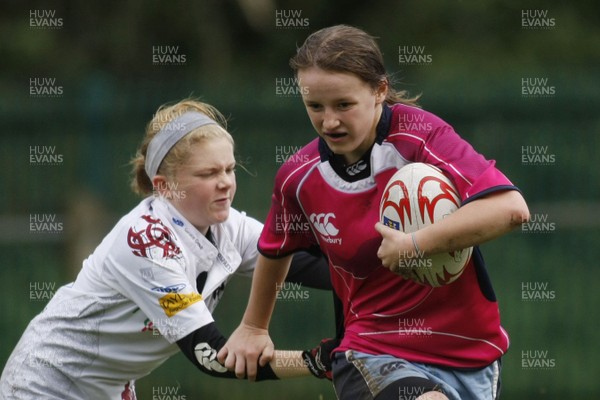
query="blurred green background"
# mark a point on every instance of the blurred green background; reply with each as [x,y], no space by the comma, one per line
[82,79]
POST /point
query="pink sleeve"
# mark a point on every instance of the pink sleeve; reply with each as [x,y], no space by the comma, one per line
[441,146]
[286,228]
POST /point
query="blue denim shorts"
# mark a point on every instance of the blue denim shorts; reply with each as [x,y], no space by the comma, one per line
[363,376]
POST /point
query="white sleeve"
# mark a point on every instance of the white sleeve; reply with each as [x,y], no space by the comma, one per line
[245,230]
[151,272]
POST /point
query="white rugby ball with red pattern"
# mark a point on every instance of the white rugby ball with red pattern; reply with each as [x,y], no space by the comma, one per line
[416,196]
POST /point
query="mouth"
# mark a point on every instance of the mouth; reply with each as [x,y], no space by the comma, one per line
[335,136]
[222,201]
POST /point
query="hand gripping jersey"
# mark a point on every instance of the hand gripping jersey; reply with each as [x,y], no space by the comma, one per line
[135,296]
[457,325]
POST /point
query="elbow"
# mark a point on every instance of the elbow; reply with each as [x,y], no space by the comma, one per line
[518,210]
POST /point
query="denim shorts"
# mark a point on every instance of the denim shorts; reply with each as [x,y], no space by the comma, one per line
[363,376]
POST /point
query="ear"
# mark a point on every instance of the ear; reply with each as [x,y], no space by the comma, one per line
[381,91]
[159,184]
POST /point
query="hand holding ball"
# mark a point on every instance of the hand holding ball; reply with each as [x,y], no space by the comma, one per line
[417,196]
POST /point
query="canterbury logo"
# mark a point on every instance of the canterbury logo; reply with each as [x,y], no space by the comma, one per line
[207,357]
[323,225]
[356,168]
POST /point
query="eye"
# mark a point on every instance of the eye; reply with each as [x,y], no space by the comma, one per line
[345,105]
[314,106]
[205,173]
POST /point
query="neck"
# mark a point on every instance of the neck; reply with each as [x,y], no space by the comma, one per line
[351,158]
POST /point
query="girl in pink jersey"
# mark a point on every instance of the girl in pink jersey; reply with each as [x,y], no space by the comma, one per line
[454,341]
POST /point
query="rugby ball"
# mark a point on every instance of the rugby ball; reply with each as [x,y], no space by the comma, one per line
[416,196]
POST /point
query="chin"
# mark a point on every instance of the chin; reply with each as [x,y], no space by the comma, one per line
[221,217]
[339,147]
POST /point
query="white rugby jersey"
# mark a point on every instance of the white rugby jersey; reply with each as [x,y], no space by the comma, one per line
[135,296]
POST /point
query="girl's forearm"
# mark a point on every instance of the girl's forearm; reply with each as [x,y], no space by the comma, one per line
[474,223]
[267,280]
[289,364]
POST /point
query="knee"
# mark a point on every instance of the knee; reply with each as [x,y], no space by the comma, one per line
[432,396]
[412,388]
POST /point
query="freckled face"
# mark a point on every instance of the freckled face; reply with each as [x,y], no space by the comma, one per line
[343,109]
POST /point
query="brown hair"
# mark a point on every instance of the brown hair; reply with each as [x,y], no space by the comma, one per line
[344,48]
[140,182]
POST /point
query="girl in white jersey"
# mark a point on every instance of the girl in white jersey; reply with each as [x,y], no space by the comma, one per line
[362,140]
[149,289]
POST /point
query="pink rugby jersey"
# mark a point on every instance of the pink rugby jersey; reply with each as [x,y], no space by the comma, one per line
[314,204]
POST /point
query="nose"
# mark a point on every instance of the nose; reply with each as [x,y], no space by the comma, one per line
[226,180]
[330,120]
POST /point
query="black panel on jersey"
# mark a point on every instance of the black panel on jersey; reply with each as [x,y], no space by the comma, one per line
[307,269]
[483,279]
[384,124]
[354,172]
[201,281]
[338,310]
[310,270]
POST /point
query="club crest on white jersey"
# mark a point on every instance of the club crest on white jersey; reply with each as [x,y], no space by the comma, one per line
[151,239]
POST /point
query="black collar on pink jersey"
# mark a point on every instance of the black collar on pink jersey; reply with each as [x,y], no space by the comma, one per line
[361,168]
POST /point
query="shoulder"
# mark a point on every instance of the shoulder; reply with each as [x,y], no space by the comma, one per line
[414,131]
[412,119]
[240,227]
[146,233]
[298,165]
[240,220]
[139,241]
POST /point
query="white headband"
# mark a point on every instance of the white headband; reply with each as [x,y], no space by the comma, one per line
[171,133]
